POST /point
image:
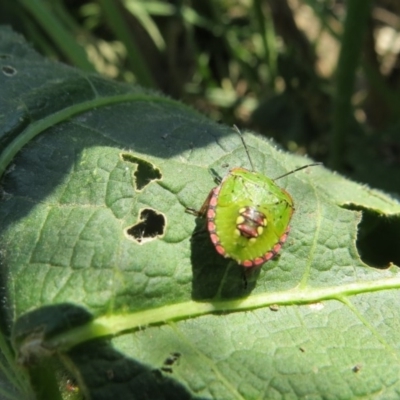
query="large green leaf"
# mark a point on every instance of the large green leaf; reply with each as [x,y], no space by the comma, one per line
[95,244]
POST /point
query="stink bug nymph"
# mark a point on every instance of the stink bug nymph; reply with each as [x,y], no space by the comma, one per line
[248,215]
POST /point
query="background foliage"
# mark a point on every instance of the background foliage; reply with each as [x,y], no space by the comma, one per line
[320,77]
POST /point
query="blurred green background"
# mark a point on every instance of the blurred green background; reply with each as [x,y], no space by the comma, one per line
[321,77]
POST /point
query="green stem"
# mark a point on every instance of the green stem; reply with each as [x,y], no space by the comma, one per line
[354,28]
[44,380]
[268,37]
[119,26]
[55,29]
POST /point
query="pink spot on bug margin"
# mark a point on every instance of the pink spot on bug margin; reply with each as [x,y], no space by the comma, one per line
[269,255]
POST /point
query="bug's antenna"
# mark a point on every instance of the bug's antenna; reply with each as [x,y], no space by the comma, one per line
[297,169]
[245,146]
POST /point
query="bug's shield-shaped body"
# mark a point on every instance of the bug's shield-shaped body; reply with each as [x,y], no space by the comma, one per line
[248,217]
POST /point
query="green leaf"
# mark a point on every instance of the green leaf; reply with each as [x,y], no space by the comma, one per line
[103,269]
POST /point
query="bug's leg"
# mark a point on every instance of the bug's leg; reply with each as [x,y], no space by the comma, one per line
[248,275]
[203,210]
[244,277]
[192,211]
[200,213]
[216,176]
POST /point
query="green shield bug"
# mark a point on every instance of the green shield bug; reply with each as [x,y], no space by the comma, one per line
[248,215]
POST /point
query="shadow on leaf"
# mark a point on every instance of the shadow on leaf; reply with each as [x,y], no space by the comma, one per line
[96,368]
[216,277]
[108,374]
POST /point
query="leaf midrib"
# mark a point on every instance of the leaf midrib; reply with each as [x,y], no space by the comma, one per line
[110,325]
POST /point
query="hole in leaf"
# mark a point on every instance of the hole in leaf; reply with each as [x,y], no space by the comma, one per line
[151,225]
[145,171]
[8,70]
[378,240]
